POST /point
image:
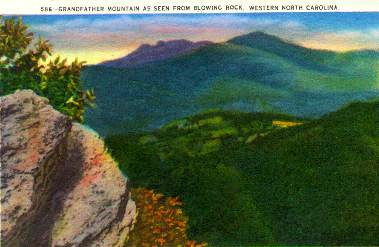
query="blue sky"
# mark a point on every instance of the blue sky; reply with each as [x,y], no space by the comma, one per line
[96,38]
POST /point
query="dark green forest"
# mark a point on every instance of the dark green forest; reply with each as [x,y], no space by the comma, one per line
[246,181]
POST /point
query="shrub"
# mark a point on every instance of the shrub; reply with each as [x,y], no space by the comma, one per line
[160,221]
[24,65]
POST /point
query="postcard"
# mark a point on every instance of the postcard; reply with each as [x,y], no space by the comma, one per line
[189,123]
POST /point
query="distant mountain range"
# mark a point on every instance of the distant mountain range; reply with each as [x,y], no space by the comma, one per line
[256,72]
[153,53]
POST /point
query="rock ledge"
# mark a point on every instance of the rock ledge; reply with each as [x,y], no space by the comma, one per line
[59,186]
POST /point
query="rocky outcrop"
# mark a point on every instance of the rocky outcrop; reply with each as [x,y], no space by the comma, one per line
[59,186]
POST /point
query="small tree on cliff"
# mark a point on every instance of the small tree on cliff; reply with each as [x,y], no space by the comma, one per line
[24,65]
[160,221]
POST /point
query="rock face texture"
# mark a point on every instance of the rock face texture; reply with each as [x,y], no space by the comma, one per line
[59,186]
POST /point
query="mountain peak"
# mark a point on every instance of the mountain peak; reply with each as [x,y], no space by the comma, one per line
[147,53]
[259,34]
[259,39]
[299,55]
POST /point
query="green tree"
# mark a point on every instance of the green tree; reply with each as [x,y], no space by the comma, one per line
[28,64]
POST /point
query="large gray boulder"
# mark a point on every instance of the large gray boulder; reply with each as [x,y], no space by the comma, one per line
[59,186]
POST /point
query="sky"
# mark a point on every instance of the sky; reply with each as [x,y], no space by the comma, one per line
[97,38]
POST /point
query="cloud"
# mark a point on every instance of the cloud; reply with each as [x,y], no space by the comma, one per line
[374,32]
[124,30]
[117,34]
[342,40]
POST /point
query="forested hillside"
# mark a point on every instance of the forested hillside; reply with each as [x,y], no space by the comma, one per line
[265,178]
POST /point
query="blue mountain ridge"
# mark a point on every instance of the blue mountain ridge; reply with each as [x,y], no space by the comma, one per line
[256,72]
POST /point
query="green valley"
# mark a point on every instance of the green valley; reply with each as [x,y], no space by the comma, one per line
[260,178]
